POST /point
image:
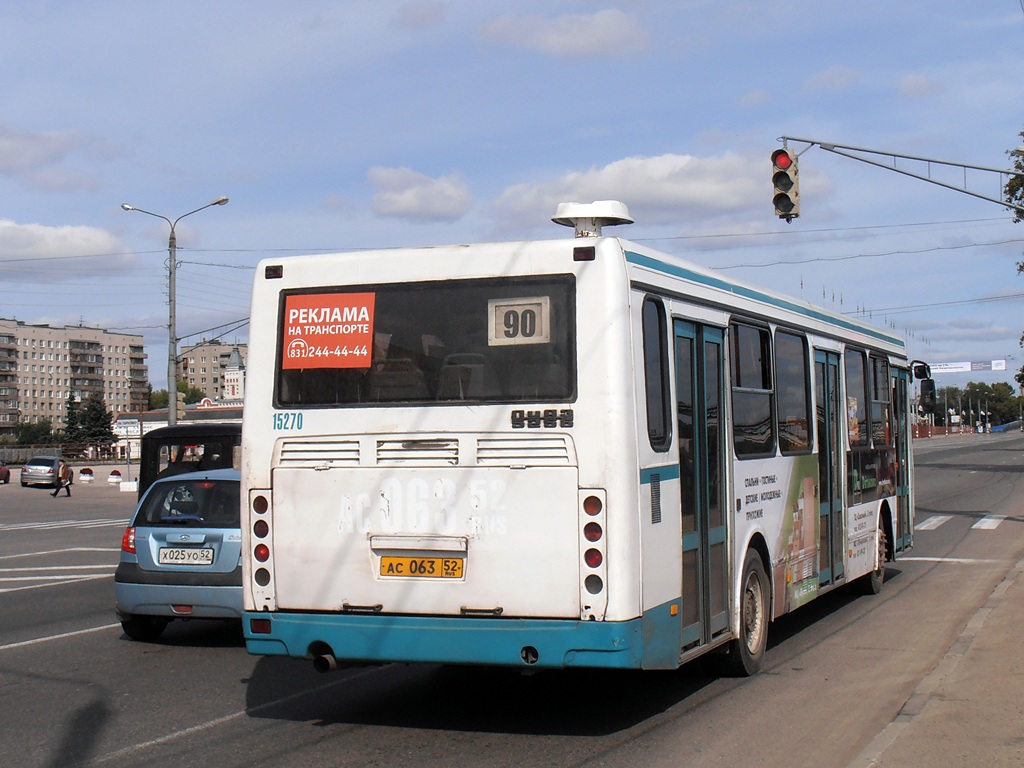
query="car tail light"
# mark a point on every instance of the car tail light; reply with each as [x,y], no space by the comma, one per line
[593,558]
[592,532]
[261,553]
[128,540]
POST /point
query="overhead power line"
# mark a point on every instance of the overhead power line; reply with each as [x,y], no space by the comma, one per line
[904,251]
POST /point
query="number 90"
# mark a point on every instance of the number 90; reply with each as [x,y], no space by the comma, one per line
[520,323]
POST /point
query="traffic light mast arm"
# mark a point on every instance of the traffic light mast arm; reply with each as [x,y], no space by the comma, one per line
[847,151]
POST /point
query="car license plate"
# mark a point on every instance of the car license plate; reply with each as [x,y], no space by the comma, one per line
[185,556]
[423,567]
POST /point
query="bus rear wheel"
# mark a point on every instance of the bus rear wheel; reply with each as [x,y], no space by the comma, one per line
[746,653]
[872,583]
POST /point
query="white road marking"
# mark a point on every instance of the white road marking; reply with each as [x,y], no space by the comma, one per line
[932,523]
[956,560]
[48,638]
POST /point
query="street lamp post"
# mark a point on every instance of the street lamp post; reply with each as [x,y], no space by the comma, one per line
[172,333]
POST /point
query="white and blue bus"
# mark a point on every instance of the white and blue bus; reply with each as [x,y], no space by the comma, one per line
[578,452]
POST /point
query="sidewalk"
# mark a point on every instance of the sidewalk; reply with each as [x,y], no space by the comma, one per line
[970,710]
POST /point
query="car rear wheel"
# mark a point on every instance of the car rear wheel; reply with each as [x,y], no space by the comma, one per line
[144,628]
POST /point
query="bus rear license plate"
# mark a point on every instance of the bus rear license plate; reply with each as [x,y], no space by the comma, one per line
[185,556]
[423,567]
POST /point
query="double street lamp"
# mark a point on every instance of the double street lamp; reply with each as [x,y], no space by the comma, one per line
[172,341]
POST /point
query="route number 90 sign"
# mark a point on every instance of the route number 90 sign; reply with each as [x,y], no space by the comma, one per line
[519,321]
[327,330]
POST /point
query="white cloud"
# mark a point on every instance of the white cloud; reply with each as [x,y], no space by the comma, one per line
[658,190]
[22,151]
[406,194]
[915,85]
[29,248]
[834,79]
[753,98]
[609,32]
[37,159]
[419,15]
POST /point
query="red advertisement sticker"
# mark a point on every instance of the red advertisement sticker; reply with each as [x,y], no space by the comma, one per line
[328,330]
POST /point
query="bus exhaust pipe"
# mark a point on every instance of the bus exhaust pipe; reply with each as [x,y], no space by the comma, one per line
[325,662]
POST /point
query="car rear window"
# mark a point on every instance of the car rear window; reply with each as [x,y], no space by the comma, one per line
[191,503]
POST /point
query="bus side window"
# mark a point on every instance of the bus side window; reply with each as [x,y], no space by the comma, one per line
[792,376]
[655,343]
[881,430]
[752,393]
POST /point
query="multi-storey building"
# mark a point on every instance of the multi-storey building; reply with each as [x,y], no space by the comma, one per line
[40,365]
[205,366]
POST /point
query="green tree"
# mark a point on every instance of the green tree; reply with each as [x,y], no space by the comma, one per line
[95,422]
[192,394]
[34,433]
[72,420]
[1014,195]
[157,399]
[997,400]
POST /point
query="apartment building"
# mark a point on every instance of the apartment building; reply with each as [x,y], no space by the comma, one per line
[213,366]
[41,364]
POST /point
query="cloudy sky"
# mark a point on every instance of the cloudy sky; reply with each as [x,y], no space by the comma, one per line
[337,125]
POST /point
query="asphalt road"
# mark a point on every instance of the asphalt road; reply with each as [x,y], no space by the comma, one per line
[75,691]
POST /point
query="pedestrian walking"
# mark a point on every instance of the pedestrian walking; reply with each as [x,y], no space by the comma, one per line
[63,478]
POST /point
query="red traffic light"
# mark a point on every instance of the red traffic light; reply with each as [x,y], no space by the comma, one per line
[786,180]
[782,159]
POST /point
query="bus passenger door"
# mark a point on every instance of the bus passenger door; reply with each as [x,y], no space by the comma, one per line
[705,588]
[904,533]
[830,494]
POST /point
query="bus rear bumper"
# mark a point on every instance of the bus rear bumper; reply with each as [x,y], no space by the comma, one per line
[525,643]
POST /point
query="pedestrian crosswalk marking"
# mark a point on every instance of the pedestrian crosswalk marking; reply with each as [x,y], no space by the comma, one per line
[62,524]
[987,523]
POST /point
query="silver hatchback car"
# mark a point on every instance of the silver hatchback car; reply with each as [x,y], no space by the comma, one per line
[40,470]
[181,554]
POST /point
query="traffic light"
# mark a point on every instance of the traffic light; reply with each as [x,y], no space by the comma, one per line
[786,180]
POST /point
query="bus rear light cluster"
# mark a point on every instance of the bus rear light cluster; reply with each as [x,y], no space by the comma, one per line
[593,540]
[261,530]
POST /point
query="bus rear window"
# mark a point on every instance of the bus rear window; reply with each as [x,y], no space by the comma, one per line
[455,341]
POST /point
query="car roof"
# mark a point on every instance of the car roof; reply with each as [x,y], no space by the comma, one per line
[202,429]
[37,459]
[212,474]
